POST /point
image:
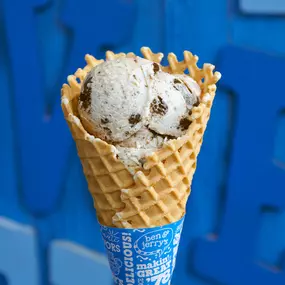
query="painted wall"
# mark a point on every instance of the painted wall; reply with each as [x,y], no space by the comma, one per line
[235,227]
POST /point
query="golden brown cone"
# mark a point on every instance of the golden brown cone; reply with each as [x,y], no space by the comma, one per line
[155,194]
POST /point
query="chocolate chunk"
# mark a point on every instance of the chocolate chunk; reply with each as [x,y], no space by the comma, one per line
[197,103]
[184,124]
[108,131]
[105,120]
[155,134]
[134,119]
[152,131]
[155,67]
[142,161]
[169,137]
[85,95]
[176,81]
[158,106]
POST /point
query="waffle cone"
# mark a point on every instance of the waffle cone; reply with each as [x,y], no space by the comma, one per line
[155,194]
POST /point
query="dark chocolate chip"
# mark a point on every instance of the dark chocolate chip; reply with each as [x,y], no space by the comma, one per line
[169,137]
[142,161]
[176,81]
[158,106]
[155,134]
[85,95]
[127,133]
[184,124]
[197,103]
[108,131]
[105,120]
[155,67]
[134,119]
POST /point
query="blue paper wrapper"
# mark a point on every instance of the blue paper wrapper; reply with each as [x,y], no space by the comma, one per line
[142,256]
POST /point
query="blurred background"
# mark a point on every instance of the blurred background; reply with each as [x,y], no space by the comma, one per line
[234,232]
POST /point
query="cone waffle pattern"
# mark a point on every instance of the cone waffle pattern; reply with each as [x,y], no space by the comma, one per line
[155,194]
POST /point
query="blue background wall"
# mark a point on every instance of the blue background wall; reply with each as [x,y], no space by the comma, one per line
[235,226]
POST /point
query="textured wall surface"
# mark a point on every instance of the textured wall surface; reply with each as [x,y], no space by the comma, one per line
[235,227]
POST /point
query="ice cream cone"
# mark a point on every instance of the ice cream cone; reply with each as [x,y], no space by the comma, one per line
[155,194]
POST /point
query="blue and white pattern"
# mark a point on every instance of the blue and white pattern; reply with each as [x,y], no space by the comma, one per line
[115,264]
[143,256]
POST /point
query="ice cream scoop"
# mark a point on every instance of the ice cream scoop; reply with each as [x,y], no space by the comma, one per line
[114,98]
[141,144]
[192,86]
[171,105]
[133,104]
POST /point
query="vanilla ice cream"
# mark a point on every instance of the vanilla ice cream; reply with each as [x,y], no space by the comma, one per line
[134,105]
